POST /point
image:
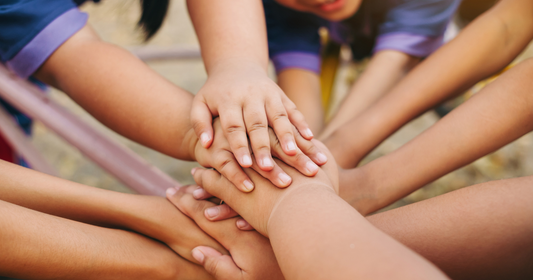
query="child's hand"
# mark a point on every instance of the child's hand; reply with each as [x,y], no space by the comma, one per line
[220,157]
[157,218]
[251,254]
[248,102]
[257,206]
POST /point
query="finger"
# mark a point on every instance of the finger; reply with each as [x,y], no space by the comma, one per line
[242,224]
[311,150]
[276,176]
[278,120]
[216,264]
[225,163]
[215,184]
[297,118]
[220,212]
[257,128]
[201,121]
[223,231]
[300,161]
[200,193]
[235,131]
[193,234]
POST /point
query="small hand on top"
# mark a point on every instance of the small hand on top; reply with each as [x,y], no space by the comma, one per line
[220,156]
[248,103]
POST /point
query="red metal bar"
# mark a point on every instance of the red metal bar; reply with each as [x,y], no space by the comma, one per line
[19,142]
[125,165]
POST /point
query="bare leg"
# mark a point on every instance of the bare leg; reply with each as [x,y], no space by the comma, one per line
[480,232]
[303,88]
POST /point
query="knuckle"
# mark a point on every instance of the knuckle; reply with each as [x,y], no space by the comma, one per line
[256,126]
[197,124]
[234,128]
[279,116]
[211,266]
[222,161]
[300,158]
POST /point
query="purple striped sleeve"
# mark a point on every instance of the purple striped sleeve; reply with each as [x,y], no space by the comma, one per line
[307,61]
[412,44]
[35,53]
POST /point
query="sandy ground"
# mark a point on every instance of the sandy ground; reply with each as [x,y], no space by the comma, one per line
[115,22]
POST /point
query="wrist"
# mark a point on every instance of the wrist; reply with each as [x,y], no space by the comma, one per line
[136,213]
[236,64]
[191,144]
[297,197]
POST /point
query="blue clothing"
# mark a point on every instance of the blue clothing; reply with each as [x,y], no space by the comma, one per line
[415,27]
[31,30]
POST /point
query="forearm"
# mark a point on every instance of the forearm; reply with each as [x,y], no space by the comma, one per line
[230,32]
[45,246]
[491,119]
[149,215]
[479,232]
[123,93]
[384,71]
[315,235]
[478,52]
[58,197]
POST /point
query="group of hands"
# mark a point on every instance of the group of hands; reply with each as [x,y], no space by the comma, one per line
[260,147]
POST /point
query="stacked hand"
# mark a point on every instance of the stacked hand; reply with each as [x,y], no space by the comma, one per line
[220,156]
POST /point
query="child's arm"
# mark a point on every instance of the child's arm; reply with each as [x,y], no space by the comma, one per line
[149,215]
[232,35]
[478,232]
[482,48]
[308,229]
[384,71]
[492,118]
[123,93]
[40,246]
[127,96]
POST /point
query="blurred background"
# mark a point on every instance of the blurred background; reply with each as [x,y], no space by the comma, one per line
[115,22]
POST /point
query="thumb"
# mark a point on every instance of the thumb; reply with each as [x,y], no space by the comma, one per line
[220,266]
[201,121]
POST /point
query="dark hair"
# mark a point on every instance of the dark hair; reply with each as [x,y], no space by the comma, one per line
[153,14]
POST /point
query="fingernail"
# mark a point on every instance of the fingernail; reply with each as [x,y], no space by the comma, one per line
[248,185]
[171,191]
[197,255]
[308,132]
[204,138]
[285,179]
[291,146]
[241,223]
[212,212]
[311,167]
[321,157]
[267,162]
[193,171]
[246,160]
[198,193]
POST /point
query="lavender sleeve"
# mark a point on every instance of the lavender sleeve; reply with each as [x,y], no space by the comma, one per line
[412,44]
[35,53]
[302,60]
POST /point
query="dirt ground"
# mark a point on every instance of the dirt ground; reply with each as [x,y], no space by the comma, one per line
[115,22]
